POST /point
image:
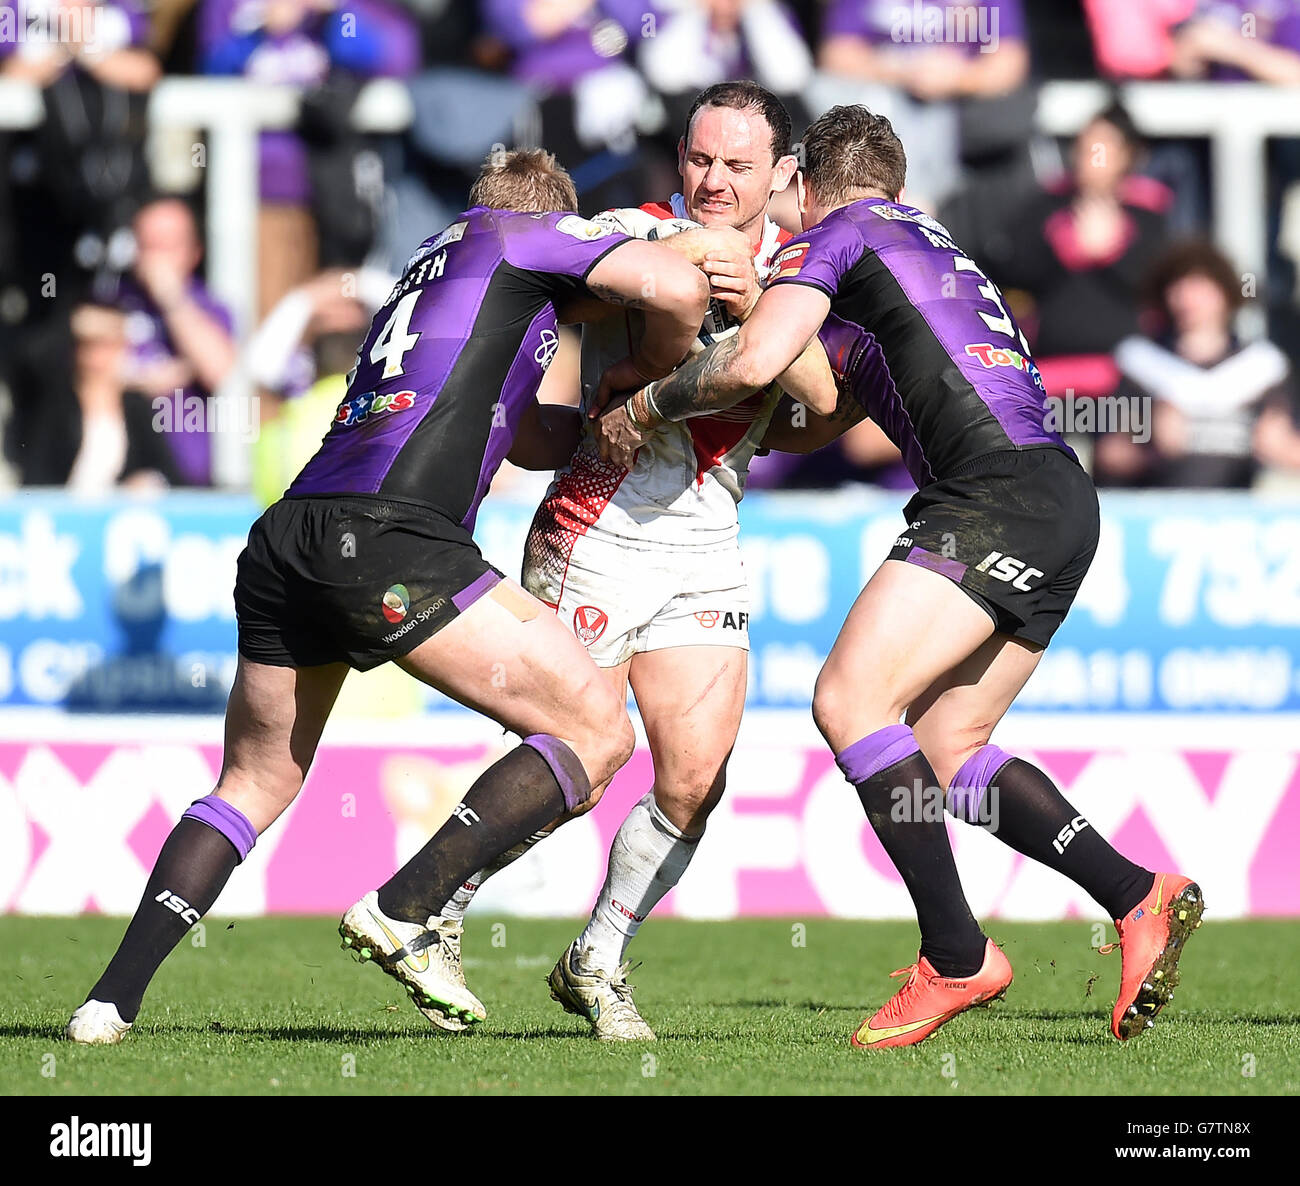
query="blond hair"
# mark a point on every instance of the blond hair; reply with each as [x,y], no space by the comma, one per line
[528,179]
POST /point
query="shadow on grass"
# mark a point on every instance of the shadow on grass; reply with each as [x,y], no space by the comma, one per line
[808,1006]
[530,1035]
[32,1031]
[348,1035]
[353,1035]
[311,1033]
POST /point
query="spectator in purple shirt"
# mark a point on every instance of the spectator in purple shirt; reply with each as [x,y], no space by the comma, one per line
[557,43]
[298,42]
[915,62]
[933,51]
[181,341]
[575,55]
[1241,39]
[106,38]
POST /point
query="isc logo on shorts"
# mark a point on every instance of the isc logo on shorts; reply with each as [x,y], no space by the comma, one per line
[1008,568]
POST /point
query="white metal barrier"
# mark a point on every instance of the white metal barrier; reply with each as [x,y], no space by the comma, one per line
[1236,118]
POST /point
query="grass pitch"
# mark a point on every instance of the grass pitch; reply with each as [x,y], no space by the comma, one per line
[272,1006]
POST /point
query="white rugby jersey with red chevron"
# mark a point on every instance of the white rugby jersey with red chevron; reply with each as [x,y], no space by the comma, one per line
[683,489]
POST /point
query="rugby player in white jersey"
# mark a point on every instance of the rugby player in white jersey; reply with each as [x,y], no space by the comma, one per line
[643,564]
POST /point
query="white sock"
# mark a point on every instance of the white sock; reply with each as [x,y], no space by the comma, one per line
[648,857]
[459,902]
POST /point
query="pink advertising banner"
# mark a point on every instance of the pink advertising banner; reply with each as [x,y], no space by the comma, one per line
[82,818]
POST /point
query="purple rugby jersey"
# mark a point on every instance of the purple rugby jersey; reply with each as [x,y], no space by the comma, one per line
[453,359]
[924,338]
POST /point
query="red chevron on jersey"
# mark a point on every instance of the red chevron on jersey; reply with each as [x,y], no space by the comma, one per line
[715,436]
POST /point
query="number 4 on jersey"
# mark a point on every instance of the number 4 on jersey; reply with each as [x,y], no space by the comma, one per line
[394,340]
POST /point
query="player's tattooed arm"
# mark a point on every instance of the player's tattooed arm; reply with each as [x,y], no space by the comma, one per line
[810,380]
[610,295]
[794,429]
[782,326]
[713,379]
[689,391]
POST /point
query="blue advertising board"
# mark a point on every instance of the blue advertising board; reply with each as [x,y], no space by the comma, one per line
[1193,602]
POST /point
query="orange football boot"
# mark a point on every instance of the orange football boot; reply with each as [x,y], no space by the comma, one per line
[927,1000]
[1151,938]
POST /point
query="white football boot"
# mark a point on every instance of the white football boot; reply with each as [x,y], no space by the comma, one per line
[448,950]
[425,960]
[97,1023]
[603,998]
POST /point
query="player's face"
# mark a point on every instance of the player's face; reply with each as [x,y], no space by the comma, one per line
[727,170]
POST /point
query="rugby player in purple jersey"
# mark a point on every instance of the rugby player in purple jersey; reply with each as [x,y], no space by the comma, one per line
[369,558]
[952,624]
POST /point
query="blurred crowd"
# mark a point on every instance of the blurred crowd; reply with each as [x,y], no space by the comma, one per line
[114,346]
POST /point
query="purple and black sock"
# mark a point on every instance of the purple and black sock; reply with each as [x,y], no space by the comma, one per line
[899,791]
[513,798]
[196,861]
[1022,807]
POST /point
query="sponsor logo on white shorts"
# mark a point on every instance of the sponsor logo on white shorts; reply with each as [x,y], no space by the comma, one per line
[589,623]
[728,619]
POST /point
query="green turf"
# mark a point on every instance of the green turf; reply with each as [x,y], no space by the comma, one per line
[273,1006]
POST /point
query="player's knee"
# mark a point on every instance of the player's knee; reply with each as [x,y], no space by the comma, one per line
[263,797]
[845,710]
[948,754]
[690,795]
[597,793]
[609,742]
[620,740]
[600,731]
[830,710]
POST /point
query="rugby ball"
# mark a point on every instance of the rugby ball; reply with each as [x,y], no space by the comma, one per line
[640,224]
[718,321]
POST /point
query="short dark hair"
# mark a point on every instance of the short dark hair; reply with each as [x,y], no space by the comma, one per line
[747,96]
[848,149]
[1117,116]
[1193,257]
[528,179]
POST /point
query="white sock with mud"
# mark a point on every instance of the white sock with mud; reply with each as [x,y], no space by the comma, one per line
[648,857]
[459,902]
